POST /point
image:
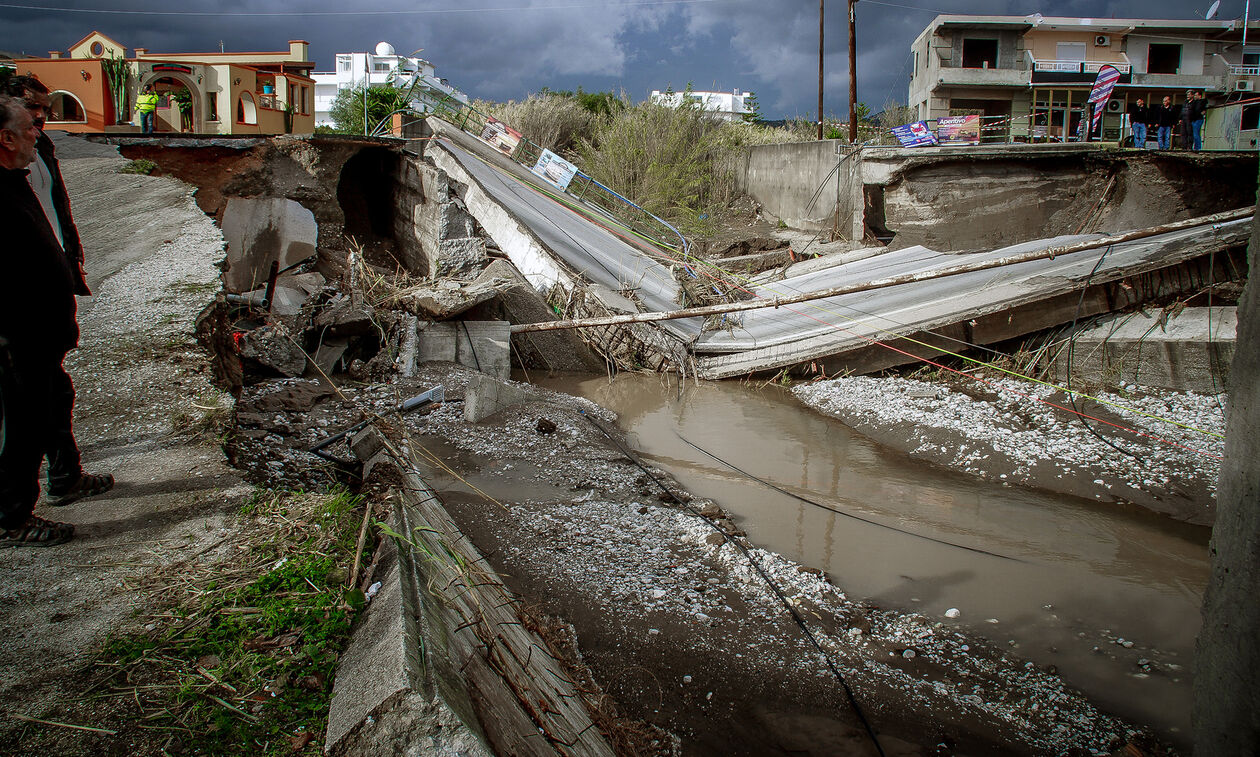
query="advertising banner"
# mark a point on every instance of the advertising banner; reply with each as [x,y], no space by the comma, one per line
[958,130]
[916,134]
[501,136]
[1099,95]
[555,170]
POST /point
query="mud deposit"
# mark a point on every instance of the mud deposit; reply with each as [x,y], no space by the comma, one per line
[1107,595]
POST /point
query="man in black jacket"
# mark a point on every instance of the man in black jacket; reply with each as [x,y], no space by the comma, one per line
[1198,112]
[1138,118]
[1166,117]
[37,329]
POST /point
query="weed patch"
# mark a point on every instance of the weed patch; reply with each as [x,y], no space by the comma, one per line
[139,165]
[239,653]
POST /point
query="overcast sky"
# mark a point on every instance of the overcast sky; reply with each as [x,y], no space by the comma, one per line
[506,49]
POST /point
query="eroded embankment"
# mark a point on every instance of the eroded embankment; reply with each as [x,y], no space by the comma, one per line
[964,202]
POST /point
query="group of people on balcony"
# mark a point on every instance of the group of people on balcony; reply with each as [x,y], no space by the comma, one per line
[1162,119]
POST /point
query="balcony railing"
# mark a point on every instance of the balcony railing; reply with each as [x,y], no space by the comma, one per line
[1245,70]
[1079,66]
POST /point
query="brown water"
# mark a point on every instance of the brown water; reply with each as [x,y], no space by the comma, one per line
[1082,575]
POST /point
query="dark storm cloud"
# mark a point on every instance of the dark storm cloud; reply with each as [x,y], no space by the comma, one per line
[501,49]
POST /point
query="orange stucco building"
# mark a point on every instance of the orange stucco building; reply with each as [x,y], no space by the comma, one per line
[204,93]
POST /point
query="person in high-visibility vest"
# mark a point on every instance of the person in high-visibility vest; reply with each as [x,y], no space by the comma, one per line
[146,106]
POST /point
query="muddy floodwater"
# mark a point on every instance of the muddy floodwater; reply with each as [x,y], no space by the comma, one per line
[1107,595]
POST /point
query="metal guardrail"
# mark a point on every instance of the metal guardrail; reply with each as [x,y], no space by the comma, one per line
[1079,66]
[1245,70]
[583,187]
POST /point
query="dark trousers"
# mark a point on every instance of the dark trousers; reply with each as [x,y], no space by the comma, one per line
[36,421]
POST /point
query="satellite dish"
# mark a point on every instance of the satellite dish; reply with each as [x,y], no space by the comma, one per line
[1211,14]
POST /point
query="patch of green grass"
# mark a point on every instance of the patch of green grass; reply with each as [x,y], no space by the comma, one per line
[244,664]
[140,166]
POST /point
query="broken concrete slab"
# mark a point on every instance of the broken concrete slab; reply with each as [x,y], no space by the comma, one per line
[378,695]
[483,345]
[1187,351]
[260,231]
[330,352]
[447,298]
[343,316]
[485,396]
[272,347]
[521,303]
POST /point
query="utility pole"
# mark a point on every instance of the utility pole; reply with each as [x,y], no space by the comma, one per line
[367,82]
[820,69]
[852,74]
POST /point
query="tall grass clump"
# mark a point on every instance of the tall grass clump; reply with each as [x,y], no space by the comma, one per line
[552,121]
[675,162]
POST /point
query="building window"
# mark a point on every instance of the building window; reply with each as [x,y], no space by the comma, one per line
[1250,118]
[1163,59]
[380,66]
[304,95]
[66,108]
[212,106]
[1251,57]
[98,49]
[979,53]
[1069,51]
[343,63]
[246,111]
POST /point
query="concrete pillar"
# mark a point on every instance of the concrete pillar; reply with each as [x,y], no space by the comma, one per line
[1227,664]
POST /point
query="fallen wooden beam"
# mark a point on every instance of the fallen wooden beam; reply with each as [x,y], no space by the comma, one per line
[936,273]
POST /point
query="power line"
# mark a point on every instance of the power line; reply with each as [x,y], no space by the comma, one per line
[362,12]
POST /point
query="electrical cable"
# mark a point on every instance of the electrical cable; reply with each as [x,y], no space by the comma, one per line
[1072,348]
[472,347]
[836,510]
[787,604]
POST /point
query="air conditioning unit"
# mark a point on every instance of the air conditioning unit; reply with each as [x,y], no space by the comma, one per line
[1102,40]
[1244,85]
[1114,106]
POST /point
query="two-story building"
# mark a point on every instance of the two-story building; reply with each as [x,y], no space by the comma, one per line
[728,106]
[1037,71]
[204,93]
[384,68]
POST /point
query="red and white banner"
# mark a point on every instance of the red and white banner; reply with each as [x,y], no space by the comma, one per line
[1101,93]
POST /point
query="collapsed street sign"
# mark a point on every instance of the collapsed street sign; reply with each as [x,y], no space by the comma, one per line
[555,170]
[501,136]
[958,130]
[915,134]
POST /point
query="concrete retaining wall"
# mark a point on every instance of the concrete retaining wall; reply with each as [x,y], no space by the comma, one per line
[967,198]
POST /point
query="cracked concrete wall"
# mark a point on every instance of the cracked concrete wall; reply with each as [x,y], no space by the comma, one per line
[1227,659]
[436,233]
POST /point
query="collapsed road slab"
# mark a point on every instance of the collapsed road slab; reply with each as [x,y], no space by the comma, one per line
[1020,299]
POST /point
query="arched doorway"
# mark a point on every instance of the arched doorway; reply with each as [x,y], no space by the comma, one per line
[178,103]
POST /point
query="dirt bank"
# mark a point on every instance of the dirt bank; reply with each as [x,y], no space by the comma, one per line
[1157,449]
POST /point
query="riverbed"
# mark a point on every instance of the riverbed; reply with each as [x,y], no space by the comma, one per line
[1107,594]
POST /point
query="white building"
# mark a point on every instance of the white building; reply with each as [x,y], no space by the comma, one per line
[352,69]
[729,106]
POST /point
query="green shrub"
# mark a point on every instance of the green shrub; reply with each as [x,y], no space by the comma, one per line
[139,165]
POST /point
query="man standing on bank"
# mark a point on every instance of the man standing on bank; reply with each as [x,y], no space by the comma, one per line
[1166,117]
[146,106]
[1137,122]
[1198,112]
[37,329]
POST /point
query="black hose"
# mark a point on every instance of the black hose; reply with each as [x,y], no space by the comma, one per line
[838,511]
[800,621]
